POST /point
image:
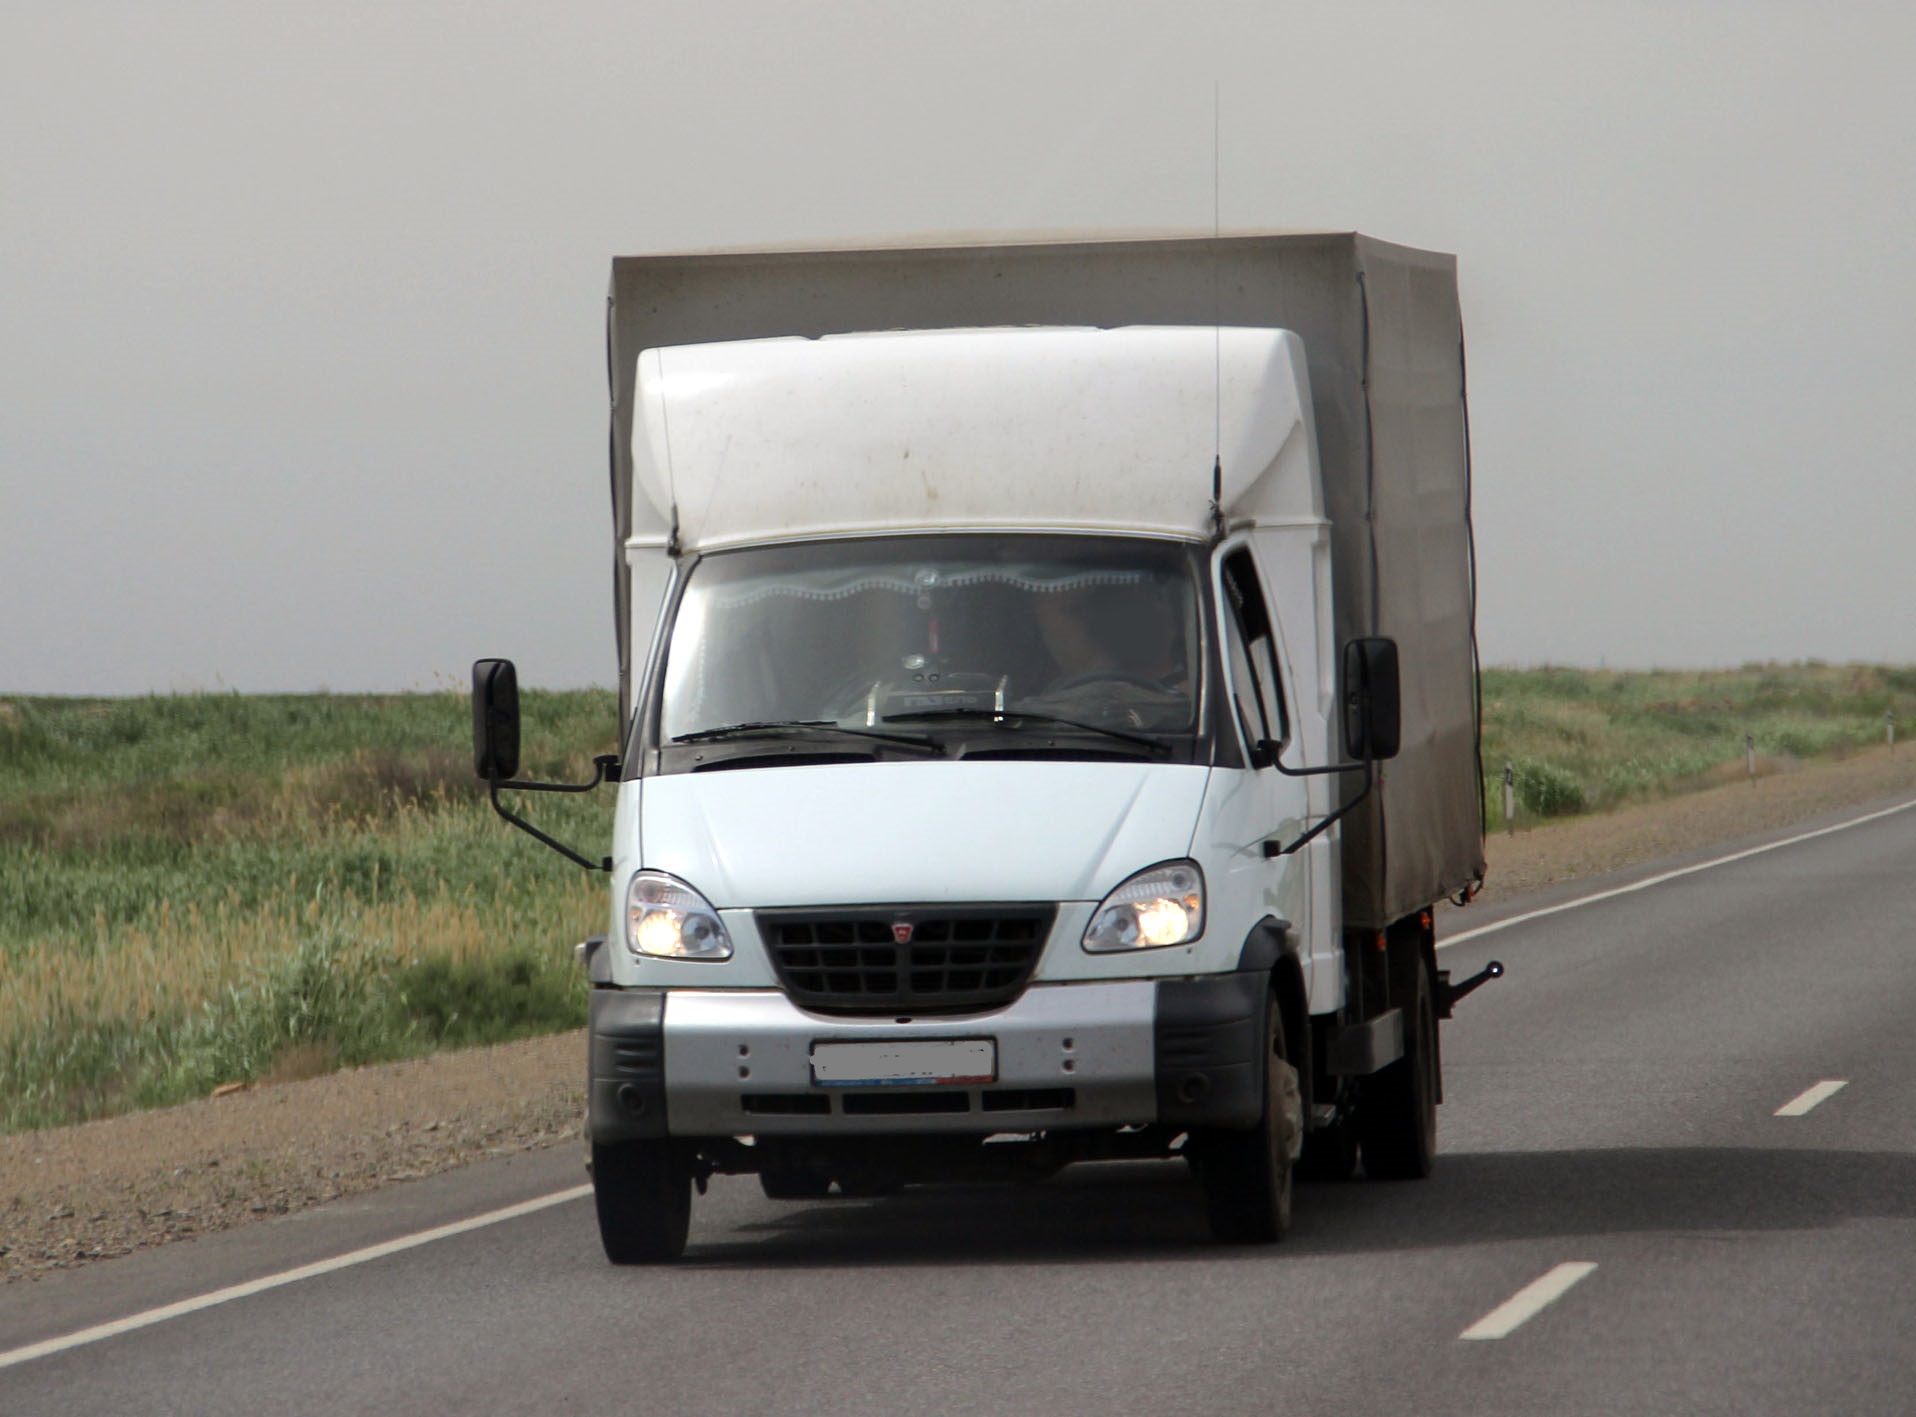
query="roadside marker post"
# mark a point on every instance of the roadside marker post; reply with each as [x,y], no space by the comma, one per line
[1749,752]
[1889,729]
[1510,798]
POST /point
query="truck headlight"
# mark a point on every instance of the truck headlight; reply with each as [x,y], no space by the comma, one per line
[1163,905]
[666,918]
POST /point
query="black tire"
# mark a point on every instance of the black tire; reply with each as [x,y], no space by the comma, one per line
[1246,1175]
[643,1191]
[794,1183]
[1397,1108]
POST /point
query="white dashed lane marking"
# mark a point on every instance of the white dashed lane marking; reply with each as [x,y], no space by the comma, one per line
[1809,1097]
[1529,1301]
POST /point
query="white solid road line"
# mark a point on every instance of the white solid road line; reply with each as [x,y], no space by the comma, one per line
[1809,1097]
[1529,1301]
[1658,880]
[290,1276]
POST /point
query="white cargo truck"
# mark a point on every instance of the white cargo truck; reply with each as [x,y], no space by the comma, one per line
[1050,716]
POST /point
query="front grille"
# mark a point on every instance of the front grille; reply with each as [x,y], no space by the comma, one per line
[957,959]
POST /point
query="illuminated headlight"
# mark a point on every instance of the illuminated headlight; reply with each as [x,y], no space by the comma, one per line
[666,918]
[1161,906]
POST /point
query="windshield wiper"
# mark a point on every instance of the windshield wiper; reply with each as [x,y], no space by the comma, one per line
[1010,718]
[809,725]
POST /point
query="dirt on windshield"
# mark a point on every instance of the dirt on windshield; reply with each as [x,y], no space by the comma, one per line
[72,1195]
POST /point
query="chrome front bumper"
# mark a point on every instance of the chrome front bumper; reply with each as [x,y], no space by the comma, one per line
[733,1058]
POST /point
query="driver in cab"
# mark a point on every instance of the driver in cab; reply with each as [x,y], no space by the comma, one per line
[1123,647]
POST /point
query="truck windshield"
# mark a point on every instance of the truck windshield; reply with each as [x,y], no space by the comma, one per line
[939,634]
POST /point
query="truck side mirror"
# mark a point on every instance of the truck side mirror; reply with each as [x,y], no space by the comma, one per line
[495,719]
[1373,712]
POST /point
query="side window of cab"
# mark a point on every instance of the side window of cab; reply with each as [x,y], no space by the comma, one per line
[1257,694]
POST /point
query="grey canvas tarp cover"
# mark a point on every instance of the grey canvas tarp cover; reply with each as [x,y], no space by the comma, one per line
[1384,341]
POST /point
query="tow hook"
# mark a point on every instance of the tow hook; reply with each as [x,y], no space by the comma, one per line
[1448,994]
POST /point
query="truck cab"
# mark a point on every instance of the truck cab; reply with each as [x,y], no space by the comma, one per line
[981,802]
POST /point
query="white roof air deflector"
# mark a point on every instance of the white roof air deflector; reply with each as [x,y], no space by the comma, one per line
[1116,430]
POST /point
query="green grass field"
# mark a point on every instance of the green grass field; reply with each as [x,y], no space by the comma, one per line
[1585,740]
[201,889]
[209,888]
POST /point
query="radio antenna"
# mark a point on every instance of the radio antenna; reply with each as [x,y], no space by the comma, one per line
[1217,335]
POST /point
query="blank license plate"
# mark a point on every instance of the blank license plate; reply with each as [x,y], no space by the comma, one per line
[905,1063]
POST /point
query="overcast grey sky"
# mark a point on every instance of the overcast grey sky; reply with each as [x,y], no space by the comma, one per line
[301,304]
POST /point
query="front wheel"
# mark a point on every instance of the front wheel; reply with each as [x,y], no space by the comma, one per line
[1397,1109]
[1246,1176]
[643,1191]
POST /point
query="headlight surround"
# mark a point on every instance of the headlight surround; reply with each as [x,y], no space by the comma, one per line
[667,919]
[1161,905]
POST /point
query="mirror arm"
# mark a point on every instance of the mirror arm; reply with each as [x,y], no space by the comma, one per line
[1272,848]
[1271,750]
[606,767]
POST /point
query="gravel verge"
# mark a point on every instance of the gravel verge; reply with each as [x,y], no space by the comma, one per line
[72,1195]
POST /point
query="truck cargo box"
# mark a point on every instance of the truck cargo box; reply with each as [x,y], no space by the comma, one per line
[1384,345]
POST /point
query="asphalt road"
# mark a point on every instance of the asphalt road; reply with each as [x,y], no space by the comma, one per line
[1611,1125]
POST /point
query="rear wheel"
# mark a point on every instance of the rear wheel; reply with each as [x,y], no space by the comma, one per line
[1397,1112]
[643,1191]
[1246,1175]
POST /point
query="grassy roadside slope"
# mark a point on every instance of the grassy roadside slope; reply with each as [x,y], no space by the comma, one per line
[1581,740]
[211,888]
